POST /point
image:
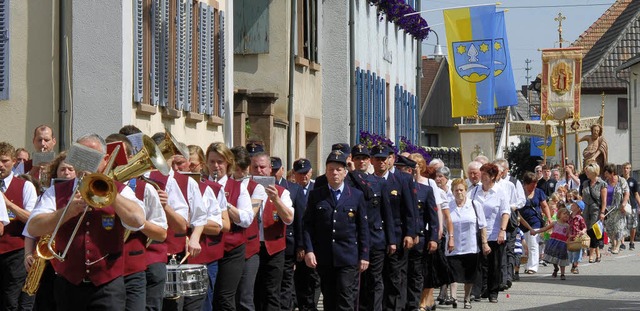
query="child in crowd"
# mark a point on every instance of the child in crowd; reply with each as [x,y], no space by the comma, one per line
[555,251]
[577,228]
[520,248]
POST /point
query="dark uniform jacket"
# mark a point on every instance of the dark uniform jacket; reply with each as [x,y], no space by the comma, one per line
[294,231]
[337,232]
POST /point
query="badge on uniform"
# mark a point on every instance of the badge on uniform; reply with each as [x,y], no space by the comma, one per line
[275,216]
[394,192]
[108,221]
[351,213]
[11,215]
[420,205]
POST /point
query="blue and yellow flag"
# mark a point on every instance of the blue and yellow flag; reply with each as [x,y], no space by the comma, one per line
[470,34]
[504,85]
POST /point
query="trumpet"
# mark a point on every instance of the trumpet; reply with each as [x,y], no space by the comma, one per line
[32,282]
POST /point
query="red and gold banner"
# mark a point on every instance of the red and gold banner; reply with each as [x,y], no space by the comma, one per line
[561,78]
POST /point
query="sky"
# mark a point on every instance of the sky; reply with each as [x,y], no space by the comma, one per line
[530,27]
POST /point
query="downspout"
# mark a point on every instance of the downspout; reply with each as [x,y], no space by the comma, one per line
[292,68]
[62,77]
[353,128]
[628,108]
[418,120]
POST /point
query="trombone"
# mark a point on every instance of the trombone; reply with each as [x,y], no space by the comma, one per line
[98,190]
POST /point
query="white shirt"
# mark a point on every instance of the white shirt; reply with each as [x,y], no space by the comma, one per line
[153,211]
[175,198]
[243,205]
[465,227]
[29,194]
[4,217]
[259,193]
[196,207]
[495,204]
[511,193]
[211,203]
[47,204]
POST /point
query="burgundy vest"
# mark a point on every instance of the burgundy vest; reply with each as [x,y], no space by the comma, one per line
[252,233]
[273,228]
[12,238]
[235,237]
[96,250]
[134,252]
[157,251]
[212,248]
[176,242]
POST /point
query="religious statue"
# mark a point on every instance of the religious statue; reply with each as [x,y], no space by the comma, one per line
[597,147]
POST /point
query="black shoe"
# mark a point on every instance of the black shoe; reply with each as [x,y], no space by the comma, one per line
[631,246]
[493,300]
[622,246]
[516,276]
[509,283]
[474,298]
[484,295]
[503,287]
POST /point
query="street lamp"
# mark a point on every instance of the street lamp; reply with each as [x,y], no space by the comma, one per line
[437,50]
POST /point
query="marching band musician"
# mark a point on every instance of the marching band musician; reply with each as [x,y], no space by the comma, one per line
[197,219]
[217,222]
[276,214]
[44,300]
[220,162]
[20,198]
[294,251]
[176,210]
[43,141]
[244,296]
[155,228]
[91,276]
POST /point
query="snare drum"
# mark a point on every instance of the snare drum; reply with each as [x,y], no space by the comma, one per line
[186,280]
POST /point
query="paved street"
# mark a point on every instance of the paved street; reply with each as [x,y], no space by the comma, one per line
[613,284]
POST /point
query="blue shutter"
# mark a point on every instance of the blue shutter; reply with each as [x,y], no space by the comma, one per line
[383,114]
[156,32]
[211,51]
[397,111]
[188,54]
[181,45]
[138,53]
[221,65]
[203,68]
[4,49]
[359,96]
[164,100]
[414,120]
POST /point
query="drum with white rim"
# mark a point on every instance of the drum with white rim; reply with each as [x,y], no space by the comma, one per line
[186,280]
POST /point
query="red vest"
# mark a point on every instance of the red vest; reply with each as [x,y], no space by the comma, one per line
[273,228]
[252,233]
[235,237]
[96,250]
[157,251]
[12,238]
[212,248]
[134,252]
[176,242]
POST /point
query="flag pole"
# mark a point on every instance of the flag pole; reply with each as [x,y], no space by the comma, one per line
[451,8]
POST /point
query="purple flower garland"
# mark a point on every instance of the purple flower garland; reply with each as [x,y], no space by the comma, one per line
[373,139]
[396,11]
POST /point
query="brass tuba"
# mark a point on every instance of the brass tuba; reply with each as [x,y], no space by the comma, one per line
[170,147]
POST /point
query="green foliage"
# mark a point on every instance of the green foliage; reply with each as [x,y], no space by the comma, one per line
[520,160]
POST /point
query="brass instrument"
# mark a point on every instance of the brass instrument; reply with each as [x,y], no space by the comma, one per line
[32,282]
[98,190]
[170,147]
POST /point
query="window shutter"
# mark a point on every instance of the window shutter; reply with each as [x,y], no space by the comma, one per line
[164,100]
[358,102]
[203,38]
[623,114]
[181,37]
[188,55]
[374,106]
[4,49]
[138,53]
[212,61]
[397,111]
[221,65]
[383,105]
[156,75]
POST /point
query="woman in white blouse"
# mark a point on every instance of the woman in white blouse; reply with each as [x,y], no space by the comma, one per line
[496,211]
[467,218]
